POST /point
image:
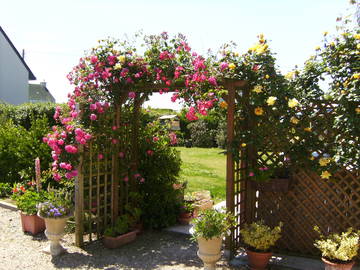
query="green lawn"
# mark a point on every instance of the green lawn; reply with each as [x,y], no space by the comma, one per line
[204,169]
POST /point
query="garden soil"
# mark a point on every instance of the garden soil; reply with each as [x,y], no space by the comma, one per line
[151,250]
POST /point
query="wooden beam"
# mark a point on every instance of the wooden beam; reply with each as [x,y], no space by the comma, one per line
[79,201]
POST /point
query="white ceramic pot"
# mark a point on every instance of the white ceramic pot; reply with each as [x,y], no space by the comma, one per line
[54,232]
[209,251]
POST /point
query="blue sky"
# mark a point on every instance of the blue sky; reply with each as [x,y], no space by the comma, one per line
[55,34]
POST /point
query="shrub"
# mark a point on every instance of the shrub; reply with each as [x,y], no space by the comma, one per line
[160,204]
[5,190]
[221,135]
[19,148]
[28,201]
[201,135]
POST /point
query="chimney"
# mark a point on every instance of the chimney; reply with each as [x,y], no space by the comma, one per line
[43,84]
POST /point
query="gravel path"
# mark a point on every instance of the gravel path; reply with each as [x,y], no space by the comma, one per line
[152,250]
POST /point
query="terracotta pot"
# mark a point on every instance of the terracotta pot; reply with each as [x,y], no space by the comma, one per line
[185,218]
[209,251]
[337,266]
[32,224]
[54,231]
[258,260]
[118,241]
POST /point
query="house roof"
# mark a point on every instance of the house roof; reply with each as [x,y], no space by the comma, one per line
[168,116]
[39,92]
[31,75]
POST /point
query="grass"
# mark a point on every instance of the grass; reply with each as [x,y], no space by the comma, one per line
[204,169]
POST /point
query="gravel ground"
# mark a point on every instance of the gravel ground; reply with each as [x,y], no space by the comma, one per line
[152,250]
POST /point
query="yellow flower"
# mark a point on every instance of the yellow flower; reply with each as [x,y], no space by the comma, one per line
[308,129]
[236,54]
[292,103]
[358,46]
[356,76]
[332,44]
[325,175]
[357,36]
[259,111]
[357,110]
[267,76]
[271,101]
[258,89]
[294,120]
[324,161]
[117,66]
[223,104]
[311,158]
[317,48]
[325,33]
[243,145]
[121,58]
[232,66]
[290,75]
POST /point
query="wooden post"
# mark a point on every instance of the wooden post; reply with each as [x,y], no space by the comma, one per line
[230,165]
[79,201]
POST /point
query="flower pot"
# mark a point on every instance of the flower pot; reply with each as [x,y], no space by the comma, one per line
[54,231]
[32,224]
[118,241]
[258,260]
[185,218]
[337,266]
[209,251]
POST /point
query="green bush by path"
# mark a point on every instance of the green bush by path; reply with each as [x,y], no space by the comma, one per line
[204,169]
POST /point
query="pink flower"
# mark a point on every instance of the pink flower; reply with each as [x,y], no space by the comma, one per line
[132,94]
[212,80]
[93,117]
[121,155]
[114,141]
[71,149]
[223,66]
[57,177]
[251,174]
[92,107]
[173,138]
[137,175]
[126,179]
[60,142]
[100,156]
[155,139]
[149,152]
[45,139]
[142,180]
[93,59]
[191,114]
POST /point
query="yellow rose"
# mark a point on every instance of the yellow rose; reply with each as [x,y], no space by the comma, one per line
[258,89]
[292,103]
[267,76]
[259,111]
[294,120]
[325,175]
[357,36]
[223,104]
[324,161]
[117,66]
[232,66]
[243,145]
[121,58]
[271,101]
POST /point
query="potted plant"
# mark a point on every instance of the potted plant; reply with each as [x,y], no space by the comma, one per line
[55,211]
[26,202]
[259,238]
[119,234]
[186,212]
[338,250]
[209,229]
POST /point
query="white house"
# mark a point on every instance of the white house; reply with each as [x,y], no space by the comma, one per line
[15,74]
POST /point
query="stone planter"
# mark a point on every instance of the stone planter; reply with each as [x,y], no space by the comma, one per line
[337,266]
[209,251]
[32,224]
[54,232]
[258,260]
[118,241]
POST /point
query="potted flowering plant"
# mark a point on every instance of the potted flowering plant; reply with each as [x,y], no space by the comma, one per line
[186,212]
[209,229]
[338,250]
[259,239]
[26,202]
[55,211]
[270,179]
[120,233]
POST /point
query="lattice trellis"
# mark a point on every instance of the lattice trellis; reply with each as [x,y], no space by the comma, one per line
[333,205]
